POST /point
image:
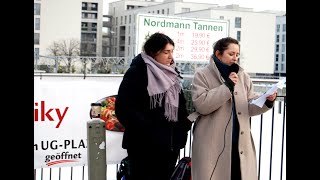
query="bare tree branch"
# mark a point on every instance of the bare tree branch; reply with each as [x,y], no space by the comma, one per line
[68,48]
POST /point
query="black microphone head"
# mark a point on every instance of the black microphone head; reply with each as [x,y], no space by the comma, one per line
[234,68]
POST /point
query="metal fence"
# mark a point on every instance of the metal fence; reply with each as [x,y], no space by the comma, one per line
[98,65]
[268,131]
[81,64]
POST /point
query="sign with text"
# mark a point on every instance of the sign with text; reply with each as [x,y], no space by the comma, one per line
[193,37]
[61,113]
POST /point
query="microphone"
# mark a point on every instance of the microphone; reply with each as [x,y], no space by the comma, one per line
[234,68]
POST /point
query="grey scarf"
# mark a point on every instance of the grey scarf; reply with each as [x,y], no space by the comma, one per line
[163,82]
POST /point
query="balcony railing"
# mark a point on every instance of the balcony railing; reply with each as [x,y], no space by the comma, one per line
[102,65]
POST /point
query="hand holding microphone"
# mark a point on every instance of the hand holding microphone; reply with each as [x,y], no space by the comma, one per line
[234,68]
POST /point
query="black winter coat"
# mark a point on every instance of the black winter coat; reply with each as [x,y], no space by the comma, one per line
[145,128]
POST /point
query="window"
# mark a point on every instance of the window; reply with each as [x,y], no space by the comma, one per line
[89,37]
[36,53]
[36,38]
[221,17]
[183,10]
[125,19]
[283,27]
[84,24]
[277,57]
[133,50]
[129,19]
[278,27]
[129,39]
[94,6]
[89,15]
[277,48]
[162,11]
[158,11]
[283,48]
[282,67]
[37,24]
[168,11]
[239,35]
[283,38]
[84,6]
[116,20]
[94,27]
[130,7]
[237,23]
[277,67]
[121,21]
[277,39]
[283,57]
[36,9]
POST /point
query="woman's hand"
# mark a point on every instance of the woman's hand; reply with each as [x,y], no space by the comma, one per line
[234,77]
[272,97]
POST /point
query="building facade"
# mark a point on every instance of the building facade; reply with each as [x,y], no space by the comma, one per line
[280,47]
[261,34]
[61,21]
[254,30]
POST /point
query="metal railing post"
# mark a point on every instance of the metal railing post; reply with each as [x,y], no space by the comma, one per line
[56,64]
[96,137]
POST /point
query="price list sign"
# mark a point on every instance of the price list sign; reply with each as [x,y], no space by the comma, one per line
[193,37]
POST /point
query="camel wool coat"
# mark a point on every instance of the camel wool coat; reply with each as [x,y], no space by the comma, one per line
[212,135]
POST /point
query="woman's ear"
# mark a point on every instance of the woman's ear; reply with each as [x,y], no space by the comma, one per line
[217,54]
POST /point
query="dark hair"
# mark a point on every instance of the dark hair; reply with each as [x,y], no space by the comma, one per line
[223,44]
[155,43]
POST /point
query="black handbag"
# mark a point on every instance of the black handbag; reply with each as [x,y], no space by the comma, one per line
[123,172]
[182,170]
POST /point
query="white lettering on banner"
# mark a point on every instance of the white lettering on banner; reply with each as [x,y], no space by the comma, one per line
[53,145]
[44,114]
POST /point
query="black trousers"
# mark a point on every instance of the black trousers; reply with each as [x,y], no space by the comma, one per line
[235,163]
[152,164]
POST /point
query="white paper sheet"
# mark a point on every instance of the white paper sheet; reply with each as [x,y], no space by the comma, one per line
[262,99]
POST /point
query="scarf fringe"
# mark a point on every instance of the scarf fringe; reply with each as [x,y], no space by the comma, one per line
[171,112]
[156,100]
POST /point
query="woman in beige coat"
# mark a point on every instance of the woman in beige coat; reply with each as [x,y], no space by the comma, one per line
[223,148]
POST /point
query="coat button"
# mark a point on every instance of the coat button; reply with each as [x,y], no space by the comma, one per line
[241,152]
[241,132]
[239,113]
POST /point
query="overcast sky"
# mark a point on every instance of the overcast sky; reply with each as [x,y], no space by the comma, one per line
[257,5]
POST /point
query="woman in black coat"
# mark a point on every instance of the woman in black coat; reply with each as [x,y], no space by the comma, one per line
[152,107]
